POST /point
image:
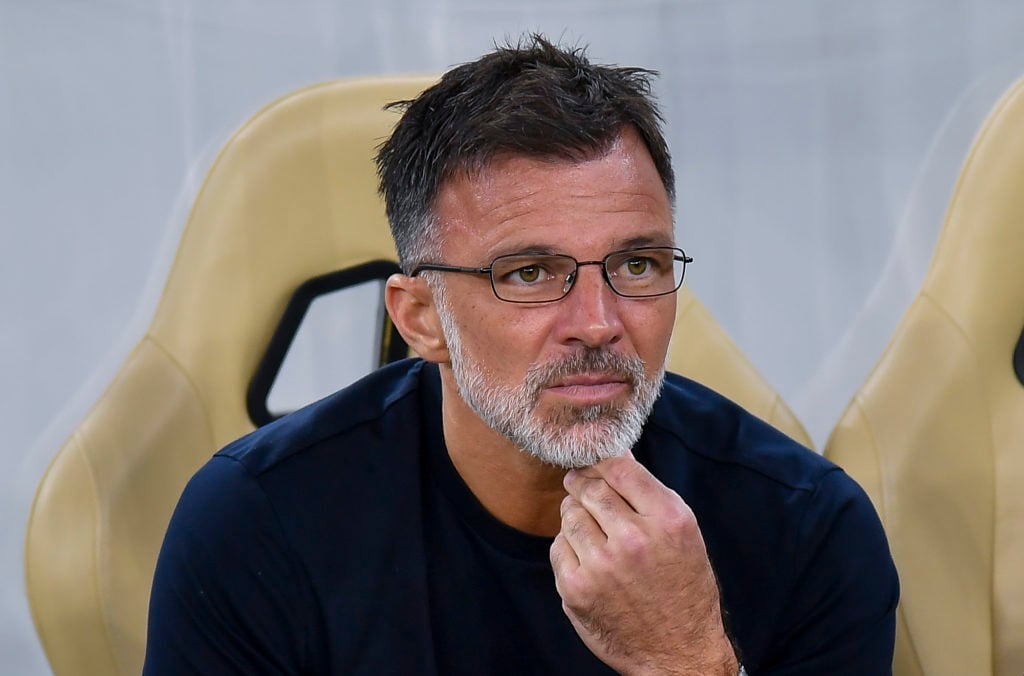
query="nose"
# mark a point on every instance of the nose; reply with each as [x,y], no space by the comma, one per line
[590,311]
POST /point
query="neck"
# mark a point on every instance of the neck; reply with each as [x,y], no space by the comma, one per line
[515,487]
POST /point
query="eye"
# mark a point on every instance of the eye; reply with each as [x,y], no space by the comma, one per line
[638,266]
[528,274]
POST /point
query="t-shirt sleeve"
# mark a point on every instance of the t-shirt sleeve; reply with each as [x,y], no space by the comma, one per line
[842,613]
[229,596]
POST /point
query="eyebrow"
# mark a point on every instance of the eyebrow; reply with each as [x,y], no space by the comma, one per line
[531,251]
[644,241]
[545,250]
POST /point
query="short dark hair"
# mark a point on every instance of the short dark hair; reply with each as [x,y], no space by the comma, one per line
[533,98]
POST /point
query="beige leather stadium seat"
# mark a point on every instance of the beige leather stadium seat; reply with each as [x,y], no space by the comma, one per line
[936,434]
[701,350]
[290,197]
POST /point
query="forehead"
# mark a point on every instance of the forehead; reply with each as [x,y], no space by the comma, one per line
[583,207]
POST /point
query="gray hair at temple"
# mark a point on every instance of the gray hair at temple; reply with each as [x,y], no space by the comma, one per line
[533,99]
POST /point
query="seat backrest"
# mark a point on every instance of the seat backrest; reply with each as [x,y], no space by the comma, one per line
[936,434]
[292,196]
[700,349]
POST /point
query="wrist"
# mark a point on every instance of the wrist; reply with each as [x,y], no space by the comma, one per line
[723,662]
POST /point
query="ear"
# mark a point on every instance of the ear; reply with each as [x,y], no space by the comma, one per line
[410,302]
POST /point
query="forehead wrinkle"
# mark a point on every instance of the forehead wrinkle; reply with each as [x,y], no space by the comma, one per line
[521,205]
[518,205]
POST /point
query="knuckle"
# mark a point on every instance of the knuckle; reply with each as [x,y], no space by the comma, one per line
[602,563]
[571,511]
[680,522]
[568,502]
[556,551]
[633,541]
[590,487]
[571,526]
[597,492]
[573,589]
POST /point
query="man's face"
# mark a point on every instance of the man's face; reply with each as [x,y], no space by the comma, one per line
[571,381]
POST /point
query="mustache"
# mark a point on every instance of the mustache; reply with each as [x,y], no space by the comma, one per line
[586,360]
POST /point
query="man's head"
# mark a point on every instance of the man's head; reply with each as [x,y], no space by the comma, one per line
[533,99]
[532,150]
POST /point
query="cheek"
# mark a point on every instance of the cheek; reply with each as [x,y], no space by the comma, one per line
[505,340]
[489,332]
[652,331]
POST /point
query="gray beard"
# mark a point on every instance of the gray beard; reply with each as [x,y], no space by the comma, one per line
[571,436]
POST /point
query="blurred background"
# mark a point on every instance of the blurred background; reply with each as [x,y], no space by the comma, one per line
[816,143]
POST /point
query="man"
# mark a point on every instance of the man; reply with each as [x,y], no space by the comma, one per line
[534,495]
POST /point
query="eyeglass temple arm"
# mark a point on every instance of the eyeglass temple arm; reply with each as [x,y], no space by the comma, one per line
[448,268]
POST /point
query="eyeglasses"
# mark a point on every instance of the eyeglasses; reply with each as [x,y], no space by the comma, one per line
[542,278]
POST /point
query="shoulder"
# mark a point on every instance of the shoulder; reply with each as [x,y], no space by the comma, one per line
[301,473]
[360,413]
[716,430]
[359,450]
[265,526]
[739,472]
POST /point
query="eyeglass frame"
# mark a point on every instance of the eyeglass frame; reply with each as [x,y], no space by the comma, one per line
[570,280]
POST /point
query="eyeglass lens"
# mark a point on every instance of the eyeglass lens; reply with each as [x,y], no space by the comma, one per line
[529,278]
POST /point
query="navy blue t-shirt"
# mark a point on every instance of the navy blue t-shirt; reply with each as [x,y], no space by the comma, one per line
[341,540]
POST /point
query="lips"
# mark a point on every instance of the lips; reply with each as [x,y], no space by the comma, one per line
[590,379]
[589,389]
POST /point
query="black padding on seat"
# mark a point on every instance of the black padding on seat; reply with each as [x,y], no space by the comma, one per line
[392,345]
[1018,358]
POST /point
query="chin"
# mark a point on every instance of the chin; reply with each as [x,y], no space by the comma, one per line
[583,445]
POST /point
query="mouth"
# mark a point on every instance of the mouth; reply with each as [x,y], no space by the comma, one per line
[588,389]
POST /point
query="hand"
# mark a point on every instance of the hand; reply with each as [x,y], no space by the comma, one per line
[634,576]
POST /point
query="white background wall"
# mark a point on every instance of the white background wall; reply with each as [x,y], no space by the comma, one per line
[816,143]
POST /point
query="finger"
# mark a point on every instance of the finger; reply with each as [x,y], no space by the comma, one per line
[644,493]
[611,512]
[593,473]
[564,561]
[563,558]
[581,531]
